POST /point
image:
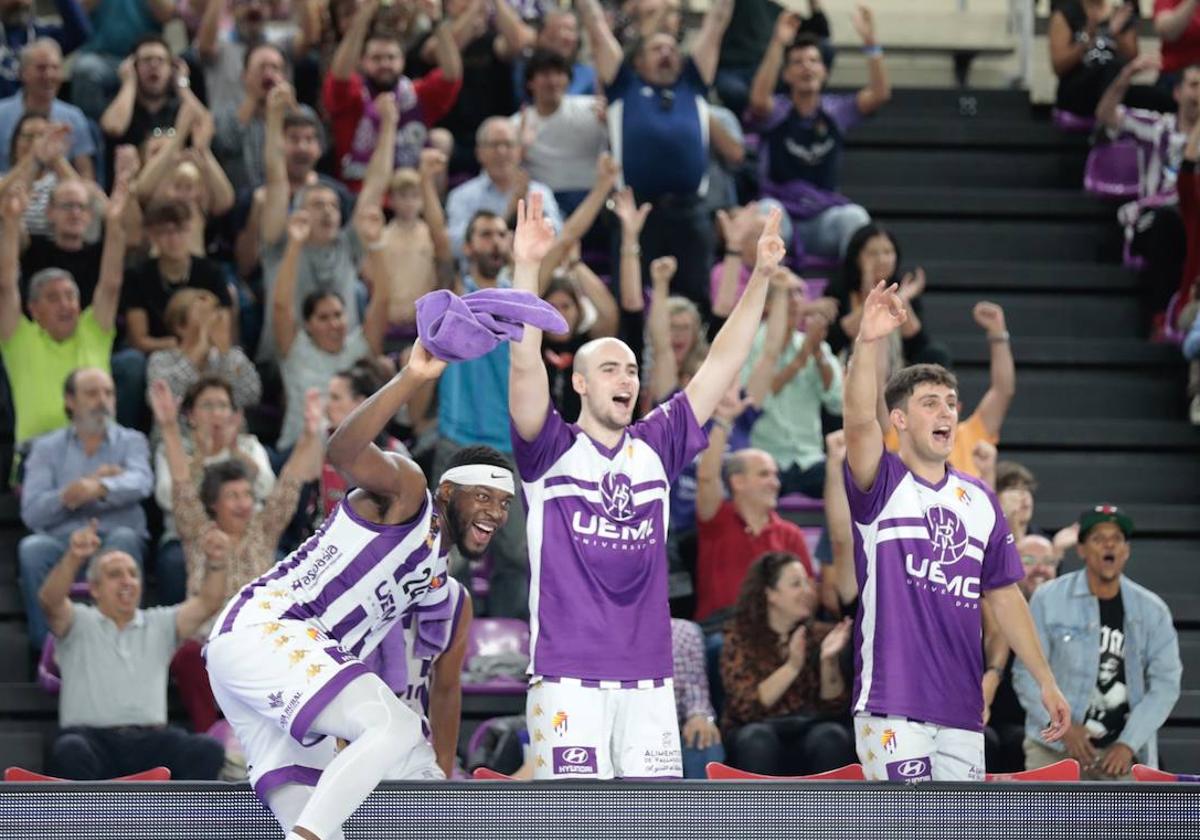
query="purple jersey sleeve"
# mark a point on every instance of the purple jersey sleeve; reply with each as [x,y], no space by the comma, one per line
[671,430]
[842,109]
[536,456]
[780,106]
[1001,562]
[865,505]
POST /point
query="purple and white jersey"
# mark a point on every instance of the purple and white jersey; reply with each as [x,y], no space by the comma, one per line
[924,555]
[404,660]
[597,523]
[352,579]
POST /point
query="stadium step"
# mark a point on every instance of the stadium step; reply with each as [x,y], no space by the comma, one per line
[1079,397]
[1151,519]
[1179,749]
[10,602]
[1083,434]
[1054,241]
[1082,316]
[1115,352]
[901,132]
[984,168]
[944,202]
[954,103]
[986,279]
[16,658]
[1089,478]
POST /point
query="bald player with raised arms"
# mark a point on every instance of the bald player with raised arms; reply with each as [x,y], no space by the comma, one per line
[601,702]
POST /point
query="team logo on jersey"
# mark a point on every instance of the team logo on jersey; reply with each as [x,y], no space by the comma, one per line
[888,740]
[616,495]
[963,495]
[296,655]
[314,669]
[271,627]
[282,640]
[947,534]
[275,700]
[559,723]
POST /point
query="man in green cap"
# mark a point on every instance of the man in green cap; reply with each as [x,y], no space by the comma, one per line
[1114,651]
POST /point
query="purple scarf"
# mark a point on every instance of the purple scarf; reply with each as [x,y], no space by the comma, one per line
[411,132]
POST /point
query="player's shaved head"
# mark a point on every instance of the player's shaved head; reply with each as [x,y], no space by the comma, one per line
[603,346]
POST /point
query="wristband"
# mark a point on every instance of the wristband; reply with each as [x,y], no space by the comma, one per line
[999,671]
[377,246]
[998,339]
[723,423]
[733,255]
[631,250]
[873,51]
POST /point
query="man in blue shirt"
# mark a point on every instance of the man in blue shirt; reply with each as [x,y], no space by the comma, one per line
[41,80]
[19,28]
[91,471]
[659,127]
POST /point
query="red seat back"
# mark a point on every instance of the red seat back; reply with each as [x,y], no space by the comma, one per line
[1066,770]
[491,775]
[1145,773]
[20,774]
[723,772]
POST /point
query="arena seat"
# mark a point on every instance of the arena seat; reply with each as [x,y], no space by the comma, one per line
[48,676]
[797,502]
[1066,770]
[492,637]
[1145,773]
[717,771]
[488,775]
[20,774]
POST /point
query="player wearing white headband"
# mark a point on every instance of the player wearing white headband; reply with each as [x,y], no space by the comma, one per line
[285,655]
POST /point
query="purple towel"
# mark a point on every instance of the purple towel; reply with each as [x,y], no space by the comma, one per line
[456,329]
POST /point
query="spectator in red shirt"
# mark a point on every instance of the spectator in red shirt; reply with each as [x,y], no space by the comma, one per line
[349,95]
[1178,25]
[736,531]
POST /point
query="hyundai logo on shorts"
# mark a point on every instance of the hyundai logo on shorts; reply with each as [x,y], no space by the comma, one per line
[909,770]
[575,755]
[574,761]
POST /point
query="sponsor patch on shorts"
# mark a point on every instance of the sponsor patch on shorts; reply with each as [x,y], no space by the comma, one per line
[910,770]
[574,761]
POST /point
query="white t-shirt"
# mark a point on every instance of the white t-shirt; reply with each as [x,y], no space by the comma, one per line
[565,144]
[308,366]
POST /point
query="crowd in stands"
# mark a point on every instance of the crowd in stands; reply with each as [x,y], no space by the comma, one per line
[209,258]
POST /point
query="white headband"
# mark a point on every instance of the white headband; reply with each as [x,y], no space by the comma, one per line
[483,475]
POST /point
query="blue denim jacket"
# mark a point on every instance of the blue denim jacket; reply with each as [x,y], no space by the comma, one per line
[1067,616]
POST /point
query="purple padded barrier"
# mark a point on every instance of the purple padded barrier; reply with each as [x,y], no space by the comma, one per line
[80,591]
[481,576]
[481,732]
[491,636]
[1112,170]
[814,287]
[48,676]
[1072,123]
[796,502]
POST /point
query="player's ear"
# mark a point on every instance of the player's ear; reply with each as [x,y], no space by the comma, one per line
[443,493]
[579,383]
[899,419]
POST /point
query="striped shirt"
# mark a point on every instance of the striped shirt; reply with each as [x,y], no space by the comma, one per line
[924,554]
[1160,154]
[353,580]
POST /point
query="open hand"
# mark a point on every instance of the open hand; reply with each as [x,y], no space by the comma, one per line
[771,249]
[299,226]
[883,312]
[631,215]
[535,233]
[163,404]
[700,733]
[835,640]
[912,285]
[863,21]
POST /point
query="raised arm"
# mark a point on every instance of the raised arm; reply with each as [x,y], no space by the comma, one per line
[709,492]
[1003,386]
[762,376]
[528,384]
[606,51]
[664,375]
[1170,24]
[707,47]
[117,116]
[581,221]
[209,30]
[218,554]
[732,344]
[1014,619]
[163,161]
[55,595]
[283,301]
[112,261]
[352,449]
[1108,111]
[883,312]
[433,165]
[878,90]
[218,187]
[608,316]
[304,464]
[383,158]
[838,522]
[369,225]
[762,88]
[277,195]
[516,36]
[12,208]
[632,219]
[348,51]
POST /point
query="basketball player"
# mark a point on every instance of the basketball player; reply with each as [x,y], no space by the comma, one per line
[285,656]
[601,702]
[930,545]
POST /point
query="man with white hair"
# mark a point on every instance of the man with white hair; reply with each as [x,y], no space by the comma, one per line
[41,71]
[39,352]
[19,26]
[499,186]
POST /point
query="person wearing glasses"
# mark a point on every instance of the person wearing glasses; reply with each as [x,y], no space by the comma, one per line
[499,186]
